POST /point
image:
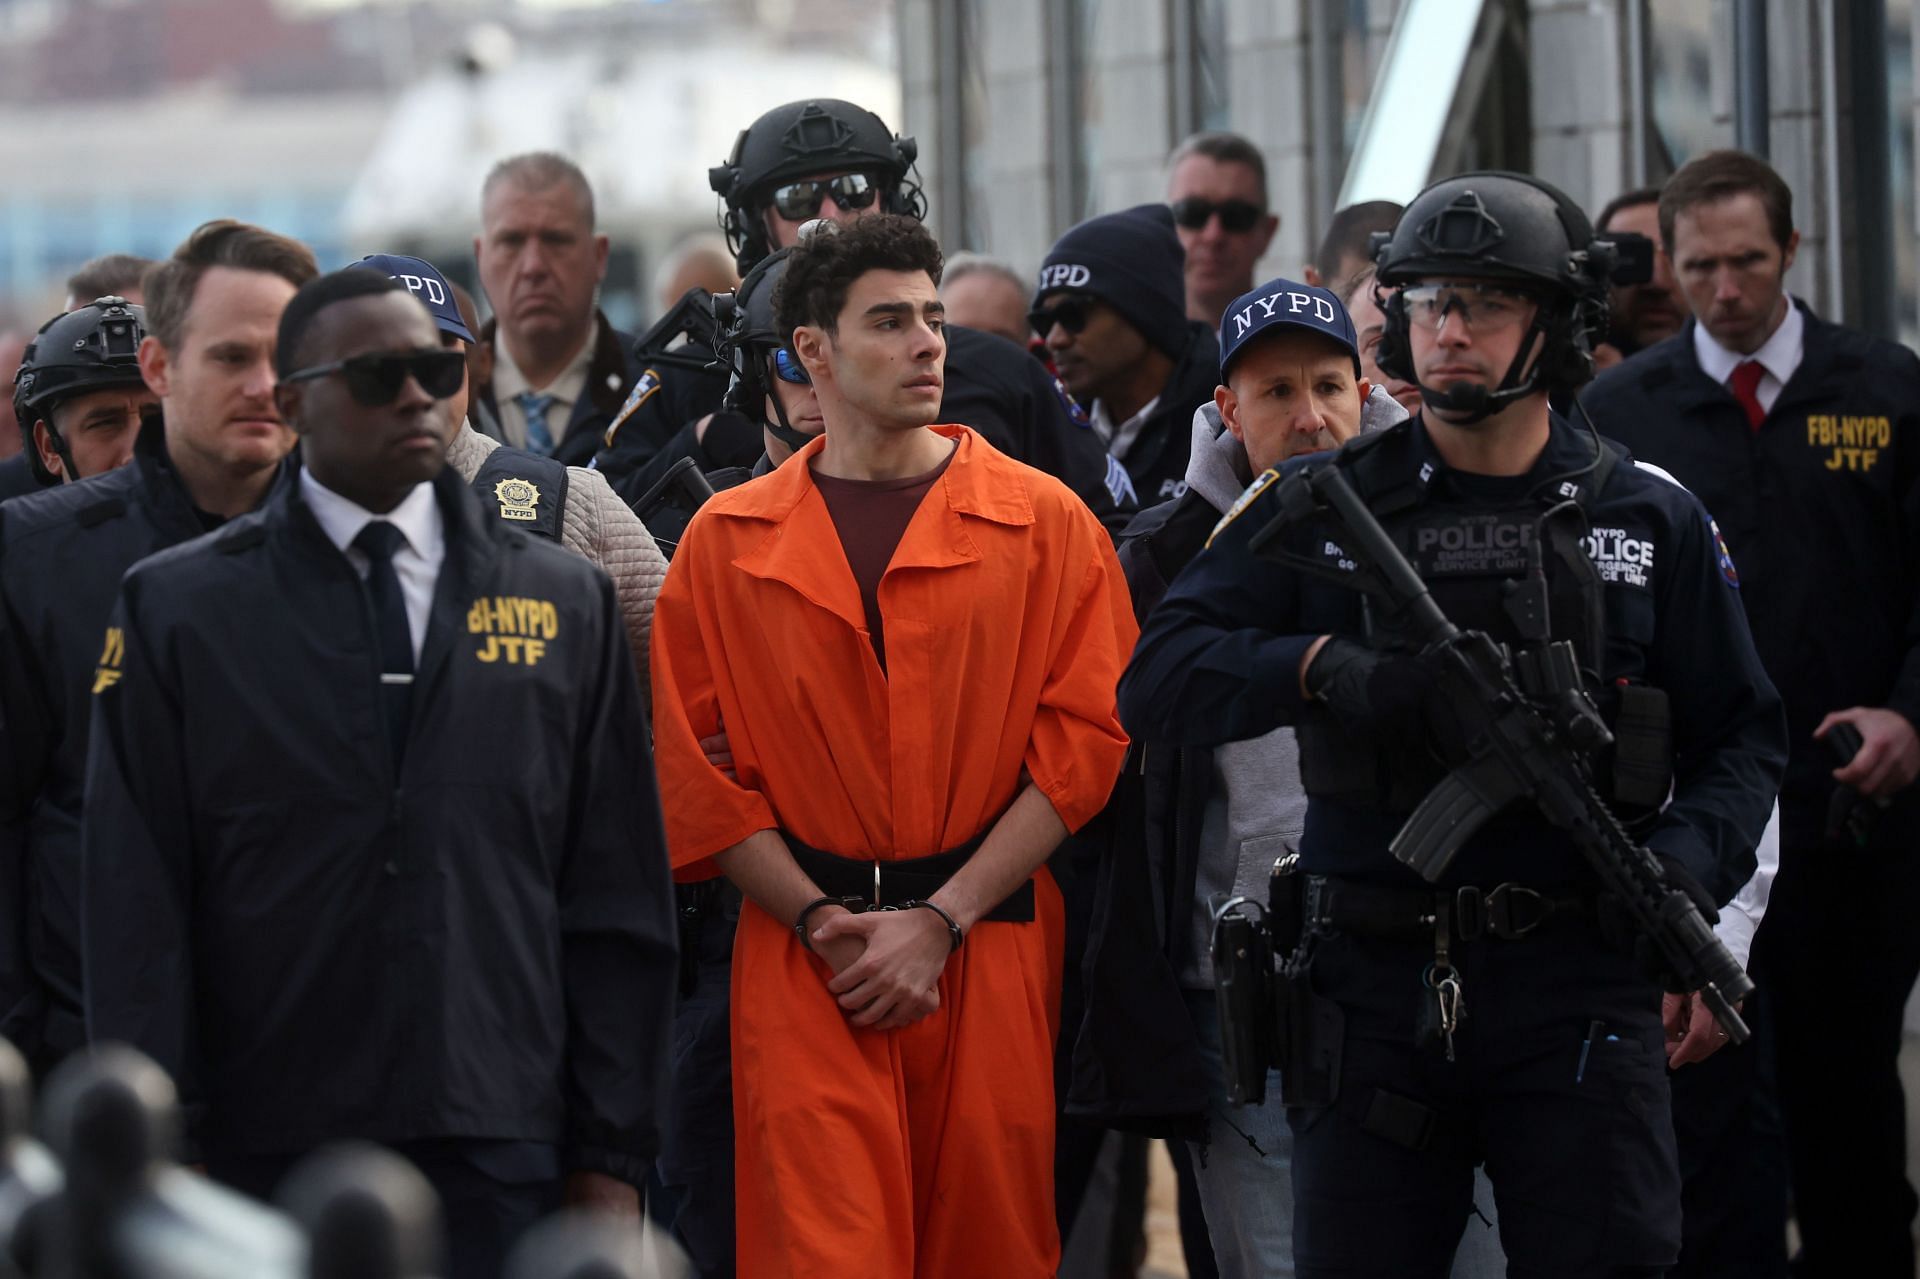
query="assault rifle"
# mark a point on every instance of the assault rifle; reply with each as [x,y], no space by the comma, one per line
[1524,738]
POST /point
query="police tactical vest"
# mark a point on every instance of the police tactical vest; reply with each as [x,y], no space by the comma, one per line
[1474,553]
[524,489]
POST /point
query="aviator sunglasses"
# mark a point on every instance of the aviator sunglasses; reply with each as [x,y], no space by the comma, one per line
[375,380]
[798,201]
[1070,314]
[1238,216]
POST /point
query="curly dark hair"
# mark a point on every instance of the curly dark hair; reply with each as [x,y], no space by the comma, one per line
[822,268]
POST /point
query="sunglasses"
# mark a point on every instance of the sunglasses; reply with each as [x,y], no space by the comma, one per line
[1070,314]
[798,201]
[788,369]
[1237,216]
[375,380]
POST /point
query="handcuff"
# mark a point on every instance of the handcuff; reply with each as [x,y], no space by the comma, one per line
[860,905]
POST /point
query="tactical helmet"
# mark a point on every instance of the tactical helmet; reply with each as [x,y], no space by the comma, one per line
[1506,228]
[95,347]
[801,138]
[749,340]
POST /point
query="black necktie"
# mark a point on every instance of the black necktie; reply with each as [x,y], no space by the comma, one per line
[378,541]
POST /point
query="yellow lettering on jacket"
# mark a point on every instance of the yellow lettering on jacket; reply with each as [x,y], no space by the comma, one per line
[516,628]
[1848,442]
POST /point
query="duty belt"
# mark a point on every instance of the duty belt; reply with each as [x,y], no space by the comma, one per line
[1507,911]
[881,884]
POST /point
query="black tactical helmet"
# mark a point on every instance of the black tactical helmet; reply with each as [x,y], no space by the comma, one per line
[750,340]
[95,347]
[819,135]
[1511,229]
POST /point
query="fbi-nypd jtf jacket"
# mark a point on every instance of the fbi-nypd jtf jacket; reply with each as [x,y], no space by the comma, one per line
[317,944]
[1219,659]
[62,552]
[1821,508]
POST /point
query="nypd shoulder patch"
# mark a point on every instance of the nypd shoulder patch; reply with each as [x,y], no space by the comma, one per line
[1075,412]
[1723,555]
[644,389]
[1246,499]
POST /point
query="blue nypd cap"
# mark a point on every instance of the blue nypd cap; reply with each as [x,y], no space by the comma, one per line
[424,281]
[1277,303]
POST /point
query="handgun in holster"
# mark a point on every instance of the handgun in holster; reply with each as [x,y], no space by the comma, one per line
[1270,1016]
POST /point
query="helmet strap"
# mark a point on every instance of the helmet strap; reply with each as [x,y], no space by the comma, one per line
[1521,380]
[781,428]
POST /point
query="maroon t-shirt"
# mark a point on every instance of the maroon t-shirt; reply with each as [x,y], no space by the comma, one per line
[871,517]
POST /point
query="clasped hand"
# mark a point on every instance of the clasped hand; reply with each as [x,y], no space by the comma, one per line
[886,964]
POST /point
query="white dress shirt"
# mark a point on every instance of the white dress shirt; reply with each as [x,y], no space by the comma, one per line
[1779,355]
[566,390]
[1120,438]
[1740,919]
[417,562]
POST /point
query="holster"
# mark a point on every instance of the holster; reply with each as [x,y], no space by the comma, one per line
[1310,1033]
[1243,984]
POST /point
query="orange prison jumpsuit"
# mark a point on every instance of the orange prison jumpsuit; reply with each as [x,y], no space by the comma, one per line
[925,1152]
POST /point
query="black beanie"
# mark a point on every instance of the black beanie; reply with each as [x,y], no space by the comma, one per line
[1132,261]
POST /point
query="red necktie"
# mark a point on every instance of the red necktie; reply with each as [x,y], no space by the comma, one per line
[1745,385]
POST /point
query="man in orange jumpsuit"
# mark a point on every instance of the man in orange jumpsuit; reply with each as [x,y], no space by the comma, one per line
[912,643]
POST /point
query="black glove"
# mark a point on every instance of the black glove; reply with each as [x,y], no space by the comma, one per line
[1622,930]
[1368,688]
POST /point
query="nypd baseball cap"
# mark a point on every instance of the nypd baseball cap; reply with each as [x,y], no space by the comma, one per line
[1279,304]
[424,281]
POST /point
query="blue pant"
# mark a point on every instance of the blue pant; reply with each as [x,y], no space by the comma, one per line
[1577,1139]
[1244,1167]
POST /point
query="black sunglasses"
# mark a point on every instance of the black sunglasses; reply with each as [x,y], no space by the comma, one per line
[374,380]
[1237,216]
[798,201]
[1070,314]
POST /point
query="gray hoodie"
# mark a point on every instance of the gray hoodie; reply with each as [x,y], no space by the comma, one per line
[1255,806]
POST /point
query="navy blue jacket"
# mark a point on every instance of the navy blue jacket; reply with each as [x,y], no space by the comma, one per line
[62,552]
[1821,509]
[318,944]
[1219,661]
[612,376]
[1157,459]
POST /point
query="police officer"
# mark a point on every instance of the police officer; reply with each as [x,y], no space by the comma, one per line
[213,451]
[1517,1035]
[1109,304]
[828,158]
[372,847]
[1803,438]
[79,395]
